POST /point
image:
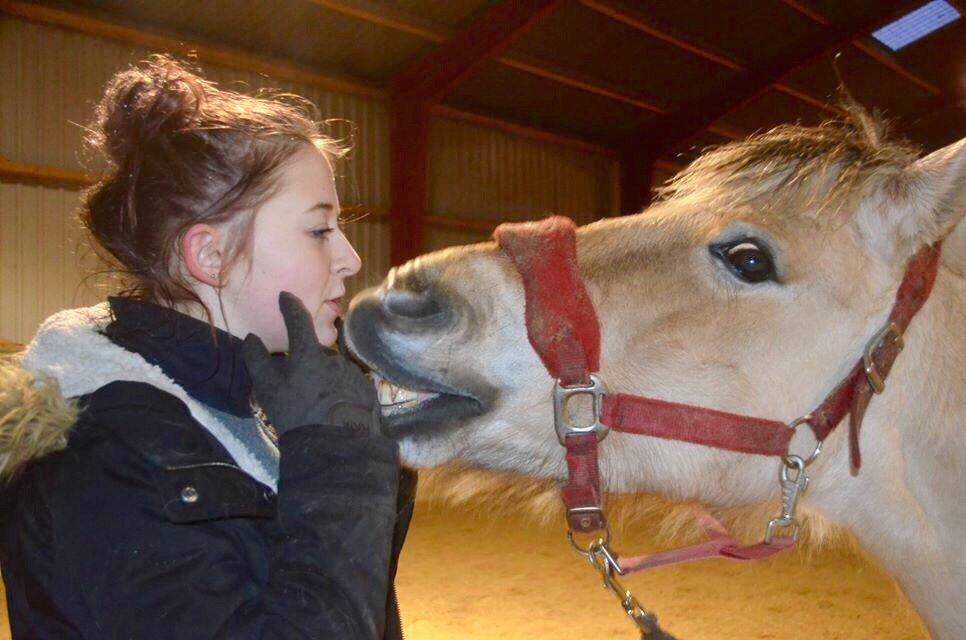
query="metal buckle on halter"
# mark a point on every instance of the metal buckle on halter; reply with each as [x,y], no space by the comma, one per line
[562,395]
[871,370]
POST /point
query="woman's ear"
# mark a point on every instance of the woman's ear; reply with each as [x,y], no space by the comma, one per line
[201,253]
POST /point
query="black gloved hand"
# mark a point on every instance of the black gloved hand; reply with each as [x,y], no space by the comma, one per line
[311,385]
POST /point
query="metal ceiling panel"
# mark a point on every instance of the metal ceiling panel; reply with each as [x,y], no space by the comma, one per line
[524,98]
[452,13]
[596,46]
[939,58]
[752,32]
[871,83]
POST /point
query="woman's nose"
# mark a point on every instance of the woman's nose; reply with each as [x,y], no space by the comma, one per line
[347,261]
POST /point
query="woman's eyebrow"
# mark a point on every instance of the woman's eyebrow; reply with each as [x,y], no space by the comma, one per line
[322,206]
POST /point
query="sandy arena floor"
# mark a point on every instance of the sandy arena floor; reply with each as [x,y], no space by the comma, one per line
[464,576]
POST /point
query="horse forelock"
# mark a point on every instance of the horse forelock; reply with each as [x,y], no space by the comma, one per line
[828,164]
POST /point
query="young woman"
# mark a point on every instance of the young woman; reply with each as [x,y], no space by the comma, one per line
[165,477]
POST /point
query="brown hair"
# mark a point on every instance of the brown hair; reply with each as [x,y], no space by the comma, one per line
[182,151]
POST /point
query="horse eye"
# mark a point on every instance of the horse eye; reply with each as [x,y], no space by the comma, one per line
[746,260]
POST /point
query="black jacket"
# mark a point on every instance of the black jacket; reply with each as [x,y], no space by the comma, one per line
[143,526]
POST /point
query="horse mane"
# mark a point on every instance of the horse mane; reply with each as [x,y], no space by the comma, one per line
[835,159]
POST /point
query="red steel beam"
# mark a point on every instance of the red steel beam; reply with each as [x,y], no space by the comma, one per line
[674,130]
[436,74]
[408,178]
[416,90]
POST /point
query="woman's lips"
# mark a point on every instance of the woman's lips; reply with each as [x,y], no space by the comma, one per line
[335,305]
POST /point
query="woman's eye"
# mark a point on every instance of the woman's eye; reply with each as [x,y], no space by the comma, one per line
[746,260]
[321,233]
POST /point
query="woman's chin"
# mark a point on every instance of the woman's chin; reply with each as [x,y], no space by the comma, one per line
[326,333]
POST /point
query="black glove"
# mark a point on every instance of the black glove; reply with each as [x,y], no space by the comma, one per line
[311,385]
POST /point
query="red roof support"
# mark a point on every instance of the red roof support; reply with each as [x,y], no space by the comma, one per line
[679,128]
[417,89]
[408,178]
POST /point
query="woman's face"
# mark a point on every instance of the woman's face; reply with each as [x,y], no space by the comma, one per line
[297,246]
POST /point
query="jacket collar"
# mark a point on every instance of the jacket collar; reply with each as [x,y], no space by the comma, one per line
[71,349]
[205,362]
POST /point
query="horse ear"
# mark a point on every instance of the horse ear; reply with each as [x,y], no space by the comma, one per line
[935,197]
[918,206]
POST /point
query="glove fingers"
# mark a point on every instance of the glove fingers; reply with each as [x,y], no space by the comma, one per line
[298,322]
[257,358]
[340,337]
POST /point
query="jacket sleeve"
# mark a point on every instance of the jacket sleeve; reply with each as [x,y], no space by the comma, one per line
[325,573]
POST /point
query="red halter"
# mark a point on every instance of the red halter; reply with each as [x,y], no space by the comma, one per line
[563,329]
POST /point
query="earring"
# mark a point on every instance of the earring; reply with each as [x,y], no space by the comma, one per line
[212,276]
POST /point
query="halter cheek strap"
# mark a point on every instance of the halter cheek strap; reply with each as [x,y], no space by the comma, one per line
[563,329]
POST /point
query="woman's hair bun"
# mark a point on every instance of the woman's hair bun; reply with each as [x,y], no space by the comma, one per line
[144,103]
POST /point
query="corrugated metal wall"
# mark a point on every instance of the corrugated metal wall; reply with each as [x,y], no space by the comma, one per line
[40,256]
[50,79]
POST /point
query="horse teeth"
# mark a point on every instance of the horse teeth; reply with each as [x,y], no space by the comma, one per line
[394,398]
[385,392]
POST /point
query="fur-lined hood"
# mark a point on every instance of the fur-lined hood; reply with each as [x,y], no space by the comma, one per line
[70,357]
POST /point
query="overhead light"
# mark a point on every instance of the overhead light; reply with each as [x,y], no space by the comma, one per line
[916,24]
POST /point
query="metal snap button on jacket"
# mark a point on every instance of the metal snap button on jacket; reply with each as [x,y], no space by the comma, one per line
[189,495]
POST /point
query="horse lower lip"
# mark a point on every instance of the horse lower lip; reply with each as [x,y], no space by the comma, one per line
[408,412]
[432,417]
[437,410]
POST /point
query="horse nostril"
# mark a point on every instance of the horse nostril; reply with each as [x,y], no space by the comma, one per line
[410,304]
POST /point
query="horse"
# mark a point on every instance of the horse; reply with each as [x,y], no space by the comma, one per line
[751,285]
